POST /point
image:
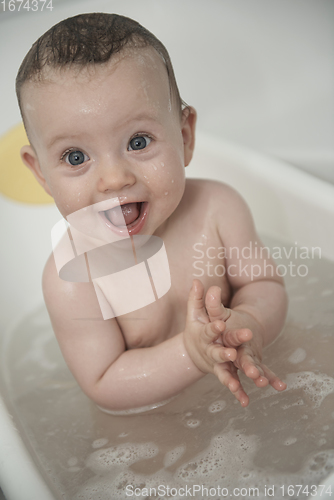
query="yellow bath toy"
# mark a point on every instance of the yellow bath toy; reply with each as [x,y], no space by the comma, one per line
[16,181]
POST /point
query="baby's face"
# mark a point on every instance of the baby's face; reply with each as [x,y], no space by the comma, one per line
[110,134]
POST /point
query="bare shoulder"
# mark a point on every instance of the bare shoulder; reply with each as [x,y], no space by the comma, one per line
[226,209]
[210,186]
[219,193]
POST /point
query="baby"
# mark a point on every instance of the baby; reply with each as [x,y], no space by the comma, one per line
[105,121]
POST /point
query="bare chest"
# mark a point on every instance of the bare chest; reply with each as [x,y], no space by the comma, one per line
[193,253]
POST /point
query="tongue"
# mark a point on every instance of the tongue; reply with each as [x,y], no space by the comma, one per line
[126,213]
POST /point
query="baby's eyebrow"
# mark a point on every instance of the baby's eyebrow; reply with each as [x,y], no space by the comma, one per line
[59,138]
[141,117]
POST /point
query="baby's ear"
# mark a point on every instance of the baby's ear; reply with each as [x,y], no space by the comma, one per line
[188,126]
[29,158]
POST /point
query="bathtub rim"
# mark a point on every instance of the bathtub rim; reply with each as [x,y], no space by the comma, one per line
[311,195]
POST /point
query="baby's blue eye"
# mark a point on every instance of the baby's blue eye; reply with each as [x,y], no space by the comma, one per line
[139,143]
[76,158]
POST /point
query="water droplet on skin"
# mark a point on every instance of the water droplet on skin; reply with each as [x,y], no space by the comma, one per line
[172,181]
[166,192]
[155,168]
[162,164]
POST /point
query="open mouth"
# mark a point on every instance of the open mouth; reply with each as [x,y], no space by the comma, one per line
[127,218]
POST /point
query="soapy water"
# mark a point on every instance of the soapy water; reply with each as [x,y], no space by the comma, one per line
[297,356]
[201,437]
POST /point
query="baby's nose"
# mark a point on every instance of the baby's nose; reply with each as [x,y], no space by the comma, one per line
[114,175]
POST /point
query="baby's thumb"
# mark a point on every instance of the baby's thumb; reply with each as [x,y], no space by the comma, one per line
[215,308]
[195,308]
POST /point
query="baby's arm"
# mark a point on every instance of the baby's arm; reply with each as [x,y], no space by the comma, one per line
[95,351]
[258,290]
[257,308]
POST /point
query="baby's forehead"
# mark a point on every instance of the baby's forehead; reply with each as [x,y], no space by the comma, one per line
[145,58]
[140,70]
[133,71]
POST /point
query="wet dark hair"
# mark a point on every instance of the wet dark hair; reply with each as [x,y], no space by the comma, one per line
[89,39]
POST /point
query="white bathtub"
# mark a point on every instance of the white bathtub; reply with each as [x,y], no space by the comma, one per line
[300,210]
[286,202]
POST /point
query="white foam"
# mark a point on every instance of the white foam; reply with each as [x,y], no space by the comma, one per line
[217,406]
[229,459]
[193,423]
[98,443]
[222,455]
[173,456]
[122,455]
[316,386]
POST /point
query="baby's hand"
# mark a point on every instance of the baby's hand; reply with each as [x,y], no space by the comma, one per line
[219,341]
[202,340]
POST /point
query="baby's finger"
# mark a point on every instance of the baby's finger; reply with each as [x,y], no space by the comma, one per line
[214,307]
[195,307]
[231,381]
[274,381]
[236,337]
[251,368]
[213,332]
[218,354]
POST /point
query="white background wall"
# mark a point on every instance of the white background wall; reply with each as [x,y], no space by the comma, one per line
[259,72]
